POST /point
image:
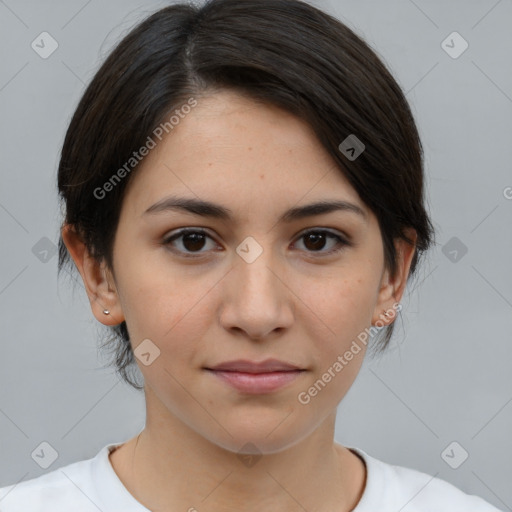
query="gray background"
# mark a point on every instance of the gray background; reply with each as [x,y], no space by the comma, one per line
[447,374]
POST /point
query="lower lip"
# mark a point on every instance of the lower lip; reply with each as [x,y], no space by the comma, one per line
[257,383]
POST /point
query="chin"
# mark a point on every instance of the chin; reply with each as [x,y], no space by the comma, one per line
[262,437]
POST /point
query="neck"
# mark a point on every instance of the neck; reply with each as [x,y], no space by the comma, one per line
[170,467]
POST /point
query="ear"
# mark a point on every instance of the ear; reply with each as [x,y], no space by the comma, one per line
[98,279]
[392,289]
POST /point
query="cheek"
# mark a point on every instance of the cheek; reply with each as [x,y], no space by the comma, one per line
[341,307]
[167,304]
[339,310]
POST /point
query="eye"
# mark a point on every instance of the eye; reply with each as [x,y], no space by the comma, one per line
[315,240]
[192,240]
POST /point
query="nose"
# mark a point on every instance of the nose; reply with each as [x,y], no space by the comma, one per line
[257,299]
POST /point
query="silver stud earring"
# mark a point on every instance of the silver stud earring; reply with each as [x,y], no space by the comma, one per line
[106,312]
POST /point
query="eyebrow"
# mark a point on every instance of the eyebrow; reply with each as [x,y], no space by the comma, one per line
[217,211]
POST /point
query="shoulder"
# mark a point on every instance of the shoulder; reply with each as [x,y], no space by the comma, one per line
[67,488]
[396,487]
[428,492]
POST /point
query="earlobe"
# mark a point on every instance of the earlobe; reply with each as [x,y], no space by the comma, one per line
[99,284]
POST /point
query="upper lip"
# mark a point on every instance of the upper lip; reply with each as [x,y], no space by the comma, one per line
[246,366]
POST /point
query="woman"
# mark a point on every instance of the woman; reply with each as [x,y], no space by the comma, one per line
[244,197]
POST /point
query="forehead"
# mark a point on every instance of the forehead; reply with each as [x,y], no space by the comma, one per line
[236,149]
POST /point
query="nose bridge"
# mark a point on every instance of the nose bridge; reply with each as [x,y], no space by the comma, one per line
[256,269]
[257,300]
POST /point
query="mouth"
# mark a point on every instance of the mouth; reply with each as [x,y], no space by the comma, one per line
[256,383]
[256,378]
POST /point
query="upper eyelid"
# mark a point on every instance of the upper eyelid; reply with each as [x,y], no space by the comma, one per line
[183,231]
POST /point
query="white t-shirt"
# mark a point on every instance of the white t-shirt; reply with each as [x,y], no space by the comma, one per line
[92,485]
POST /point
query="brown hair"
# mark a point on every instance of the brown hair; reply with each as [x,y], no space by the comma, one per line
[282,52]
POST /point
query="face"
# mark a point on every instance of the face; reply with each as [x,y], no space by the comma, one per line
[247,285]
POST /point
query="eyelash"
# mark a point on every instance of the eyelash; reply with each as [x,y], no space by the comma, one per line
[340,240]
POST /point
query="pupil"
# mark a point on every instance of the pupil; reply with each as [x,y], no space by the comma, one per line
[318,240]
[197,240]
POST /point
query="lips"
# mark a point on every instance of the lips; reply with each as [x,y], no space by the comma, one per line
[256,377]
